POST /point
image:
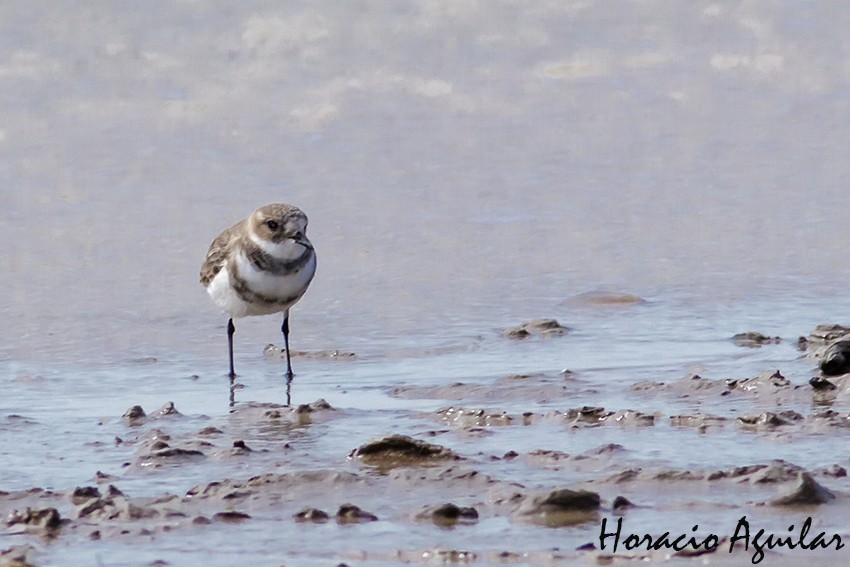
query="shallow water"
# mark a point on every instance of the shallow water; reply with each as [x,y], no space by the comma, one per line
[465,168]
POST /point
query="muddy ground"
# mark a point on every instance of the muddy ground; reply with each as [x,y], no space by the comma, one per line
[455,476]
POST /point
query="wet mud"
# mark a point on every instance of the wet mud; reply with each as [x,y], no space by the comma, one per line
[497,453]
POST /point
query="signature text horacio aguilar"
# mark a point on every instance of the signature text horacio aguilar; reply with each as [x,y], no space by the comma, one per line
[743,537]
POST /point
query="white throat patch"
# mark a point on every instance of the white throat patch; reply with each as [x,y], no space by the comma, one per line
[286,250]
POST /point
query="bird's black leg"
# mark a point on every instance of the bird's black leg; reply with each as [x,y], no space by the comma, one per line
[285,330]
[230,330]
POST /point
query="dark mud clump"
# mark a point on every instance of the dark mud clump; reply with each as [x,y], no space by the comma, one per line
[231,517]
[562,507]
[806,492]
[540,327]
[835,357]
[168,409]
[163,454]
[83,494]
[401,451]
[822,384]
[754,339]
[45,520]
[311,515]
[770,419]
[448,515]
[351,514]
[830,346]
[134,416]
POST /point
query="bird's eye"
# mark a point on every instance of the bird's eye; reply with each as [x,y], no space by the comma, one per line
[272,224]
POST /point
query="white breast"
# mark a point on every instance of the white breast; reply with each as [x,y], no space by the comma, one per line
[276,286]
[222,294]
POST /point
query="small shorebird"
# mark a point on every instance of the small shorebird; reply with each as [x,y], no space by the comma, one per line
[261,265]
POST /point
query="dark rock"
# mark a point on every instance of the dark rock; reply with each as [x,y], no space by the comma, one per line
[806,492]
[241,445]
[351,514]
[401,450]
[311,515]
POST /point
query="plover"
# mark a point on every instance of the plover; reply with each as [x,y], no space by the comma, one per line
[261,265]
